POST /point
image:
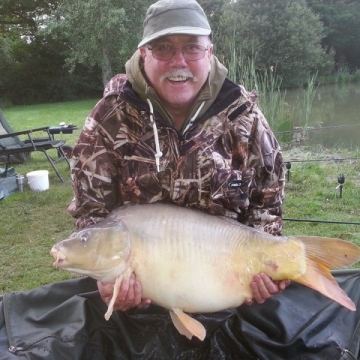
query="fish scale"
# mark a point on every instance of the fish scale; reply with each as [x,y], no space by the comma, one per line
[169,251]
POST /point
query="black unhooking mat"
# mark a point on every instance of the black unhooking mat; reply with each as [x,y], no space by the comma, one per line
[65,321]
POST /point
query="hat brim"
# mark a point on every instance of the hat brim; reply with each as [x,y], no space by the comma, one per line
[179,30]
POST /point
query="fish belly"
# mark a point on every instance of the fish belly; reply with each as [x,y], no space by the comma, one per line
[206,284]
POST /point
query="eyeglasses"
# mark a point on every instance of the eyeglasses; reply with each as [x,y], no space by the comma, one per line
[165,52]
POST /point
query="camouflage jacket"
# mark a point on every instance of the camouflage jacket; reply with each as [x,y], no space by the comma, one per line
[228,162]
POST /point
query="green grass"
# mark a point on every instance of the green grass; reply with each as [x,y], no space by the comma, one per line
[33,116]
[31,222]
[312,193]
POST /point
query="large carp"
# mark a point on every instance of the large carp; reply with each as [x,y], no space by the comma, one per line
[190,261]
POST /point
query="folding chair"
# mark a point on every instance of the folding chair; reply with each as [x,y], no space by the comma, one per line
[31,144]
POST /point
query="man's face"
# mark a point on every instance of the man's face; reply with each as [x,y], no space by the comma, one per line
[177,81]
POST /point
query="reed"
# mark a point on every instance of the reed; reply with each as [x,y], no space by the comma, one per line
[342,75]
[309,95]
[243,70]
[272,99]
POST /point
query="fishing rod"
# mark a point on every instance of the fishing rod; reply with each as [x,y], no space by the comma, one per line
[301,129]
[330,159]
[323,221]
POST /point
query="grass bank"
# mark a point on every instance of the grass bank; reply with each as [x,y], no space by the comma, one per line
[32,222]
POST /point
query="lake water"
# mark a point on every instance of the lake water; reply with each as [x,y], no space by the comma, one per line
[334,114]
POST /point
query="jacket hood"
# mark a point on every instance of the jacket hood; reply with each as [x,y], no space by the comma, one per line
[208,94]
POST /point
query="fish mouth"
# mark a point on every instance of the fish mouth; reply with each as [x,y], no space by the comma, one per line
[59,257]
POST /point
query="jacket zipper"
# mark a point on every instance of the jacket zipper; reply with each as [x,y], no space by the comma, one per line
[15,349]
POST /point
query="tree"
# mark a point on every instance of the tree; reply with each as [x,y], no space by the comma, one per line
[341,20]
[99,32]
[34,72]
[213,11]
[283,35]
[23,14]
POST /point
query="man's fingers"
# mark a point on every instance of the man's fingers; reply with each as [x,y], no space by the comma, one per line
[105,290]
[267,285]
[259,290]
[144,303]
[263,287]
[248,301]
[126,295]
[284,284]
[137,292]
[129,294]
[124,288]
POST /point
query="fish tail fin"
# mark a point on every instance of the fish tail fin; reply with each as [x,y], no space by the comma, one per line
[186,325]
[322,255]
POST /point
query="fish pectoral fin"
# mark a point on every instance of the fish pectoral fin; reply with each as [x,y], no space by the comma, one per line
[110,308]
[186,325]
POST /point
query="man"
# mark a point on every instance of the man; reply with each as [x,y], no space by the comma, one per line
[175,128]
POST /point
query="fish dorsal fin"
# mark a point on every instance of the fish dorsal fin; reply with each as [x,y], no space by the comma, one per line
[115,294]
[186,325]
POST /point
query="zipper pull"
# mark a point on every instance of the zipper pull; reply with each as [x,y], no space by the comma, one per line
[15,349]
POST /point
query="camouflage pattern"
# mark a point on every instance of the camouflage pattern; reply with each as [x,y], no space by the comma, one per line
[228,163]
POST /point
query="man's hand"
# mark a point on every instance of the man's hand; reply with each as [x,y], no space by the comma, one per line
[263,287]
[129,294]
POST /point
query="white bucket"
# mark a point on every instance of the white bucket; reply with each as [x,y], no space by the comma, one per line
[38,180]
